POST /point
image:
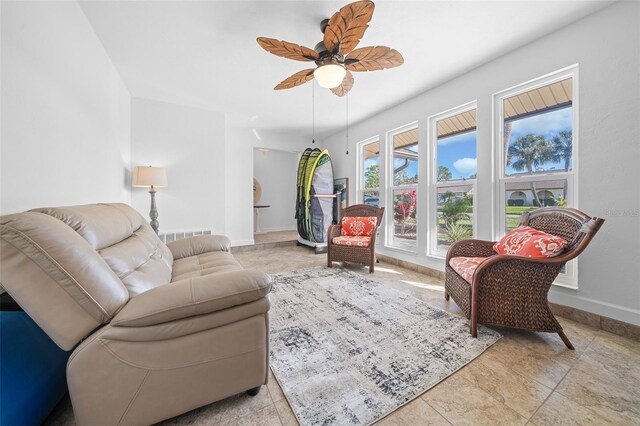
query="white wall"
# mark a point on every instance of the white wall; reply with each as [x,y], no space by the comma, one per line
[239,175]
[65,111]
[190,144]
[277,173]
[605,45]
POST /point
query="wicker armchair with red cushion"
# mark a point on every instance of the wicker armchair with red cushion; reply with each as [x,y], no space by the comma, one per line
[511,290]
[358,243]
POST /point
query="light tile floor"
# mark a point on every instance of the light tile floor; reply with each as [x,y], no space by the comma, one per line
[525,378]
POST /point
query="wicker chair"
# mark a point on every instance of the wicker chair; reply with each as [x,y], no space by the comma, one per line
[361,255]
[511,291]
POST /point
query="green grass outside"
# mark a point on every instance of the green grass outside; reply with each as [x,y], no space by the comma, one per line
[519,209]
[513,214]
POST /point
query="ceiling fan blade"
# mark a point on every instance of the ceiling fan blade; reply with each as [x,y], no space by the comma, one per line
[287,50]
[296,79]
[345,86]
[373,59]
[347,26]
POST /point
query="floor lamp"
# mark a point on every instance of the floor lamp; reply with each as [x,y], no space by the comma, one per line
[150,177]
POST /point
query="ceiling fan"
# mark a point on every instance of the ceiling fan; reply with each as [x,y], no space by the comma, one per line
[336,55]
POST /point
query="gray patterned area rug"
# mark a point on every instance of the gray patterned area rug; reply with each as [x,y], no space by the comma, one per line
[348,350]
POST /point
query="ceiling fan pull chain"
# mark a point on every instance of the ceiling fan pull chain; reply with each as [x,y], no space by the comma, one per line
[313,111]
[347,96]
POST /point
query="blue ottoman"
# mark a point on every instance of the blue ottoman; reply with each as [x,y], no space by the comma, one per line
[33,368]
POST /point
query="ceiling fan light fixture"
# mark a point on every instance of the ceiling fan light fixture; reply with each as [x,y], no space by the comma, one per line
[330,75]
[336,56]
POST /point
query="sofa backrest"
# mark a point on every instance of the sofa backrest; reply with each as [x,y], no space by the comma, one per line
[73,268]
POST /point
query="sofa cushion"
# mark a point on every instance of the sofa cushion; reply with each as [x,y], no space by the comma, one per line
[204,264]
[101,225]
[530,242]
[125,241]
[194,296]
[466,266]
[355,226]
[352,241]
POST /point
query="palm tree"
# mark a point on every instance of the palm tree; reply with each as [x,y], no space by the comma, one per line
[563,151]
[506,138]
[563,148]
[444,173]
[530,151]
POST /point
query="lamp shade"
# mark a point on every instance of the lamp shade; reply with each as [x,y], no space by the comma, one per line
[148,176]
[329,75]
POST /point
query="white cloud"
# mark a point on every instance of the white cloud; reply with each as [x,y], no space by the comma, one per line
[544,124]
[466,166]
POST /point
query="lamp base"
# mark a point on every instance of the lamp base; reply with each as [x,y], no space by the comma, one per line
[153,213]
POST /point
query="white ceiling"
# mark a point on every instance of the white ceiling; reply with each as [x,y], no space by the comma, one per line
[204,53]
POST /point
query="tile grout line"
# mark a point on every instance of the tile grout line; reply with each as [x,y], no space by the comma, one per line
[558,384]
[472,384]
[524,378]
[434,408]
[278,411]
[266,406]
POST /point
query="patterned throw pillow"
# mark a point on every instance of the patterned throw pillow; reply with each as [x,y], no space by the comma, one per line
[359,226]
[529,242]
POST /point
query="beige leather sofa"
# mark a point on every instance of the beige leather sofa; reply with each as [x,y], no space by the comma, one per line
[158,329]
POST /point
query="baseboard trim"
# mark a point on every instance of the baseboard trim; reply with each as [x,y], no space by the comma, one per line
[262,246]
[411,266]
[238,243]
[577,300]
[611,325]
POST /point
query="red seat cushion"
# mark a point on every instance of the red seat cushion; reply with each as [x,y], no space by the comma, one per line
[358,241]
[530,242]
[355,226]
[466,266]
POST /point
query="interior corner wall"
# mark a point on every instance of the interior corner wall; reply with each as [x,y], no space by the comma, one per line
[189,143]
[605,45]
[239,175]
[275,170]
[65,111]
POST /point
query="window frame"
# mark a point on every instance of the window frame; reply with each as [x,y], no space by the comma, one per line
[432,182]
[360,189]
[568,278]
[390,240]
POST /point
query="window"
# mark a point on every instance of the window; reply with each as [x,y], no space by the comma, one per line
[369,182]
[403,187]
[453,177]
[537,141]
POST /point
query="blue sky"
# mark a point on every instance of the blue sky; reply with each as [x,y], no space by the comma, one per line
[458,153]
[547,125]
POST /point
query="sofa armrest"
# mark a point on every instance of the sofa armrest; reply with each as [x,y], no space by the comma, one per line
[193,296]
[200,244]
